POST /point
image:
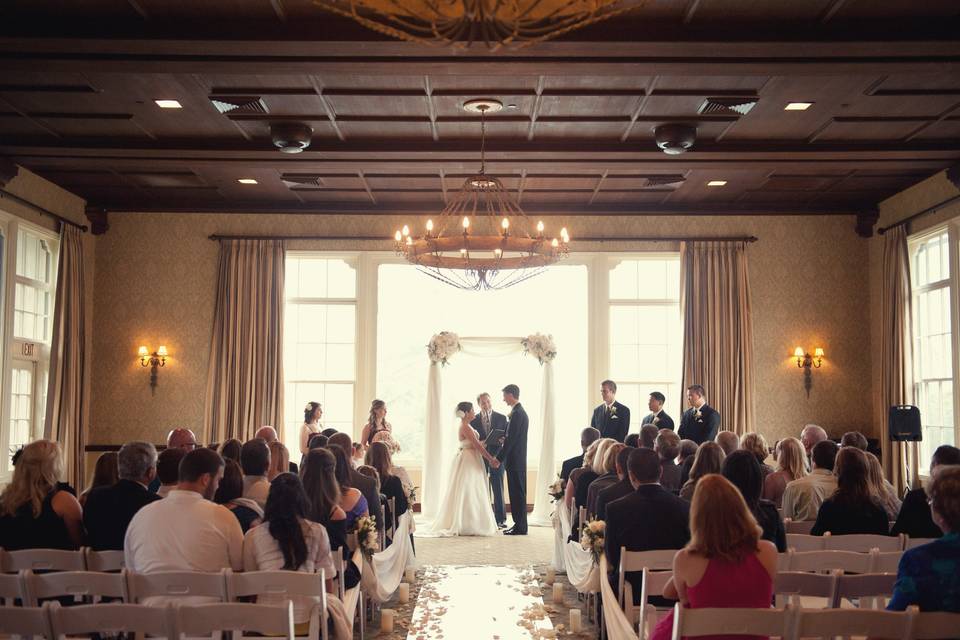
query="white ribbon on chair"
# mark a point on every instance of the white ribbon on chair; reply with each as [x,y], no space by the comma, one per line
[384,572]
[561,531]
[582,573]
[615,620]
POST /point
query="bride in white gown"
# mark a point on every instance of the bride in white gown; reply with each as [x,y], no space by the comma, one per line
[465,510]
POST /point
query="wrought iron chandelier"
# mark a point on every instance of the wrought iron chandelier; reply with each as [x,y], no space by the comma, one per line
[482,239]
[460,23]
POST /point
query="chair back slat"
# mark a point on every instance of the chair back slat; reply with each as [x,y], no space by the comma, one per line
[886,561]
[657,560]
[934,625]
[25,622]
[278,583]
[691,623]
[111,618]
[79,584]
[804,542]
[103,560]
[798,526]
[846,561]
[11,588]
[206,619]
[911,543]
[830,623]
[861,543]
[789,586]
[176,584]
[865,585]
[43,560]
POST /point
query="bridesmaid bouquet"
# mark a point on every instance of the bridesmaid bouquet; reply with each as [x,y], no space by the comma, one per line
[442,346]
[542,347]
[366,530]
[555,490]
[591,538]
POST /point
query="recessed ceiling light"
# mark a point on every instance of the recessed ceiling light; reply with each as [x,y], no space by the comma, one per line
[716,183]
[798,106]
[247,181]
[168,104]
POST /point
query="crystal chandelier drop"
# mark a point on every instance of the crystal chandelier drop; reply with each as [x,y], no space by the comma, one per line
[462,22]
[482,238]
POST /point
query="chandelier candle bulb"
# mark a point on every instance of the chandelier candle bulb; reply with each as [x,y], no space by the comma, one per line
[406,230]
[429,225]
[540,227]
[554,243]
[386,620]
[506,225]
[466,223]
[403,595]
[409,241]
[575,621]
[557,593]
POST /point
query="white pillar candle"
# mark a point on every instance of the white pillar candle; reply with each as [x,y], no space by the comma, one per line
[404,595]
[575,621]
[557,593]
[551,575]
[386,620]
[410,575]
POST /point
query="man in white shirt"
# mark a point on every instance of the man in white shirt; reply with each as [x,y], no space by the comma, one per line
[186,531]
[255,462]
[802,497]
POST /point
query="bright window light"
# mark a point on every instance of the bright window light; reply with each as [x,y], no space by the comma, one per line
[168,104]
[798,106]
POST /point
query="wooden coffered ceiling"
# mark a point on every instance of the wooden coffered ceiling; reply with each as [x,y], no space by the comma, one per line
[78,82]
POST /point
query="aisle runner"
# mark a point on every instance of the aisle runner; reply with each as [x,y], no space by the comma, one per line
[479,602]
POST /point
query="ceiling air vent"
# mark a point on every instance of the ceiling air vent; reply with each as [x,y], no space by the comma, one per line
[244,104]
[302,180]
[727,106]
[656,181]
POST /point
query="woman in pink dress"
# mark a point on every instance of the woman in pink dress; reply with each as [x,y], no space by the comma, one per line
[726,564]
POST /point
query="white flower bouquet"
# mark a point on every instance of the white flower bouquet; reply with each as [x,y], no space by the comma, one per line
[591,538]
[411,493]
[542,347]
[555,490]
[442,346]
[366,530]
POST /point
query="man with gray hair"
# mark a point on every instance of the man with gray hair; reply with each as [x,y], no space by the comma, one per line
[811,435]
[728,441]
[109,510]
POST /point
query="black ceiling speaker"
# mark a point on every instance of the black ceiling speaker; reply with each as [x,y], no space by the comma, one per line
[291,137]
[674,139]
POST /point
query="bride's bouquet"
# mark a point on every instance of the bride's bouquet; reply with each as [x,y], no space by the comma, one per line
[542,347]
[366,530]
[555,490]
[591,538]
[442,346]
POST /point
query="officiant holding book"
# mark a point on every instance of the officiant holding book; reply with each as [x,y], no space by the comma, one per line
[492,427]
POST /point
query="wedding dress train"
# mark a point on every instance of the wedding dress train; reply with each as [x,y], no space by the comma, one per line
[465,510]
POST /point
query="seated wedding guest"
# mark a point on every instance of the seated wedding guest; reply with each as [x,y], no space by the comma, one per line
[647,519]
[311,425]
[353,503]
[318,441]
[329,431]
[742,469]
[802,497]
[791,465]
[607,479]
[914,518]
[387,438]
[756,444]
[230,494]
[611,418]
[632,440]
[279,459]
[882,490]
[854,439]
[255,462]
[269,435]
[370,472]
[182,439]
[356,455]
[168,470]
[657,416]
[618,490]
[186,531]
[105,474]
[927,576]
[365,485]
[810,436]
[852,508]
[377,421]
[319,477]
[586,467]
[288,541]
[230,450]
[688,451]
[667,447]
[108,510]
[700,422]
[597,469]
[726,564]
[709,459]
[378,457]
[728,441]
[35,512]
[648,436]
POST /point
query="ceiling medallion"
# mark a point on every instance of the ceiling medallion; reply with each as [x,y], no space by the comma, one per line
[460,23]
[482,238]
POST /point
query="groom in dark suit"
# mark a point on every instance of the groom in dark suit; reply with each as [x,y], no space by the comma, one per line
[488,420]
[700,422]
[611,418]
[513,455]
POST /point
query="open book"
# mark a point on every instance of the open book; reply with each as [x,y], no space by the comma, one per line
[493,443]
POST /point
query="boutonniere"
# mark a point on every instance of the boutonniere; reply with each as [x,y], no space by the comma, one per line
[698,416]
[656,419]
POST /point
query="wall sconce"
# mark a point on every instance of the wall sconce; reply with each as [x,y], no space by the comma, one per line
[808,362]
[153,360]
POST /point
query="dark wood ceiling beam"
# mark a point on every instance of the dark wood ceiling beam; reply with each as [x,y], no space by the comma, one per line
[31,119]
[532,119]
[277,6]
[431,108]
[946,114]
[535,112]
[366,187]
[830,11]
[641,105]
[599,185]
[138,8]
[690,11]
[331,114]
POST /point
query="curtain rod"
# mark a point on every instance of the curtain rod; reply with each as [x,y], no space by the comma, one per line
[217,236]
[910,219]
[45,212]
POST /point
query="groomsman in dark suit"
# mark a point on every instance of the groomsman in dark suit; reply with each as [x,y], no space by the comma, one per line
[657,416]
[486,421]
[700,422]
[587,437]
[611,418]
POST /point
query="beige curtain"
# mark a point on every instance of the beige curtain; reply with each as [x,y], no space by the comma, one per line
[66,399]
[896,363]
[717,330]
[245,379]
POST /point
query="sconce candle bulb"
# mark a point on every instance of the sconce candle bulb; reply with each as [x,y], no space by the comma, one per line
[808,362]
[153,360]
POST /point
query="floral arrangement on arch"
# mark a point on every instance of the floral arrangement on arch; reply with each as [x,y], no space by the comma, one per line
[591,538]
[442,347]
[542,347]
[366,530]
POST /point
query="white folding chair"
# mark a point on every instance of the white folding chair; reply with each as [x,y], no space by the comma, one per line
[206,619]
[823,561]
[111,618]
[691,623]
[353,598]
[42,560]
[176,584]
[284,584]
[804,542]
[831,623]
[392,503]
[84,586]
[869,587]
[933,625]
[12,588]
[798,526]
[910,543]
[636,561]
[886,562]
[795,588]
[653,584]
[861,542]
[26,622]
[103,560]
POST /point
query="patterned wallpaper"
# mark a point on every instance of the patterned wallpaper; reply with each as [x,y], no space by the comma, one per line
[156,274]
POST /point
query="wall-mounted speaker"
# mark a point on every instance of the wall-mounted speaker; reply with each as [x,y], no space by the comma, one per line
[904,423]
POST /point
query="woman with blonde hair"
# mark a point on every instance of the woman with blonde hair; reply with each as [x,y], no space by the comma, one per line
[725,564]
[607,479]
[376,422]
[883,490]
[709,459]
[791,465]
[279,459]
[35,512]
[756,444]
